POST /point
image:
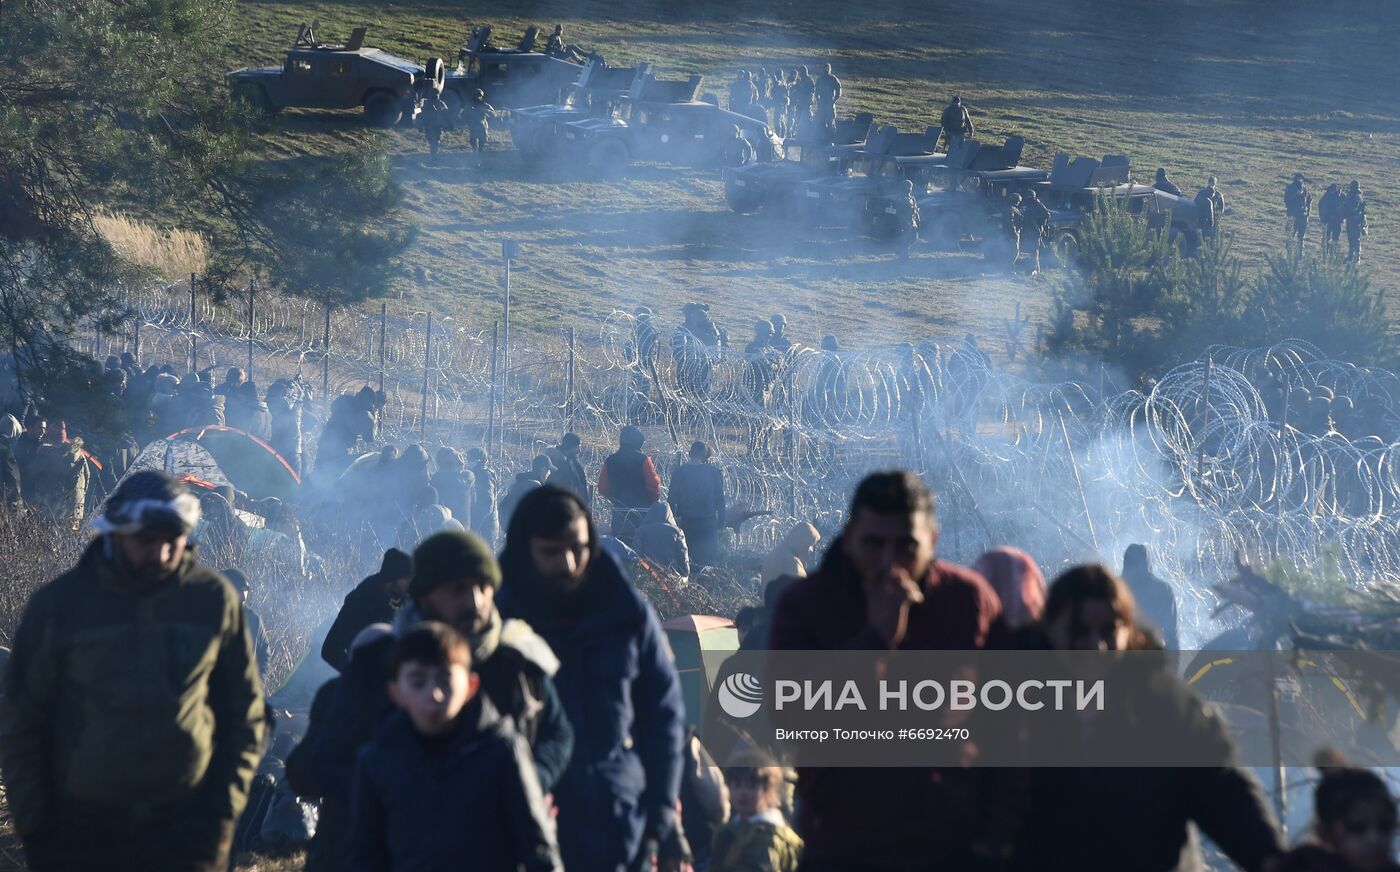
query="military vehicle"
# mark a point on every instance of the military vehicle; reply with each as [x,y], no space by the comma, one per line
[511,77]
[966,196]
[596,94]
[664,121]
[879,168]
[317,75]
[777,185]
[1077,187]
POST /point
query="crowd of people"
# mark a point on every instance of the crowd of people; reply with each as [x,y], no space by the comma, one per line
[523,711]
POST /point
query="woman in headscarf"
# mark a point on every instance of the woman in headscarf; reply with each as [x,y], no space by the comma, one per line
[792,555]
[1012,573]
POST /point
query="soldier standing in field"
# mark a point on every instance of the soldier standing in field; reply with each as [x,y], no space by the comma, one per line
[477,115]
[778,98]
[826,90]
[1036,222]
[1015,220]
[1210,203]
[1329,212]
[1354,213]
[1297,200]
[802,93]
[956,123]
[434,123]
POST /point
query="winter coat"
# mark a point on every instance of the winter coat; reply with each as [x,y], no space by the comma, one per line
[629,479]
[787,556]
[367,604]
[122,698]
[517,669]
[468,800]
[892,818]
[704,799]
[485,517]
[956,122]
[322,766]
[660,540]
[761,844]
[569,475]
[622,695]
[1156,604]
[697,495]
[455,491]
[522,485]
[1092,819]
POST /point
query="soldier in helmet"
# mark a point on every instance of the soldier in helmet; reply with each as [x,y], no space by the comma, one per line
[956,123]
[1210,205]
[1035,224]
[1354,213]
[778,99]
[906,218]
[1166,185]
[1015,221]
[737,150]
[743,93]
[1297,200]
[435,121]
[802,93]
[1329,212]
[826,90]
[556,47]
[477,115]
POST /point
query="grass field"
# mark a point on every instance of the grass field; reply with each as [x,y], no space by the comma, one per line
[1250,91]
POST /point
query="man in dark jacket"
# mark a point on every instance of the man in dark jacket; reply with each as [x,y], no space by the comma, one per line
[342,720]
[455,579]
[1297,201]
[956,123]
[454,484]
[616,679]
[133,714]
[568,472]
[1166,185]
[1330,213]
[541,471]
[1035,226]
[485,515]
[446,783]
[697,496]
[1155,599]
[1354,213]
[373,601]
[628,479]
[284,408]
[1210,206]
[881,588]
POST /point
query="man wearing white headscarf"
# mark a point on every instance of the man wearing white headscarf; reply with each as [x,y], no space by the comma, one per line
[133,716]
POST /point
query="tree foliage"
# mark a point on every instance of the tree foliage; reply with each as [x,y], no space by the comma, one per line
[120,104]
[1132,300]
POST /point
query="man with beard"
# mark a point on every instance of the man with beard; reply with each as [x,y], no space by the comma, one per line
[881,588]
[133,714]
[455,579]
[618,796]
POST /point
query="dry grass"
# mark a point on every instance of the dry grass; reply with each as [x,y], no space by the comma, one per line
[174,253]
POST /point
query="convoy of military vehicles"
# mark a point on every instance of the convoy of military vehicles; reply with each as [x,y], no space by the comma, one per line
[575,109]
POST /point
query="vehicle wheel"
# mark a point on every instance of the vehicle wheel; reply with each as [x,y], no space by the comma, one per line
[436,72]
[382,110]
[254,96]
[945,231]
[608,157]
[1065,248]
[541,141]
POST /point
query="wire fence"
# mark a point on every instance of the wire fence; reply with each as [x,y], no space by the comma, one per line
[1269,452]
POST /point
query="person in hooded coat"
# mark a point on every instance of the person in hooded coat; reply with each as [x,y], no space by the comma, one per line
[541,470]
[568,471]
[697,493]
[628,478]
[660,540]
[1018,583]
[1155,599]
[616,679]
[485,514]
[373,601]
[792,555]
[454,484]
[343,716]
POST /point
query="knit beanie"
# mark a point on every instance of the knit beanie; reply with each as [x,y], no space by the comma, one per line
[450,555]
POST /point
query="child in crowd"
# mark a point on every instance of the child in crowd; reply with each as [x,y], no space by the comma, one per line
[1355,823]
[447,783]
[757,838]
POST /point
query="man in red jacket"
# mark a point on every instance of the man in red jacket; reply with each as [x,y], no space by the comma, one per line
[629,480]
[880,587]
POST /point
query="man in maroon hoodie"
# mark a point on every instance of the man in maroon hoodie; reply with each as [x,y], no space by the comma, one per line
[880,588]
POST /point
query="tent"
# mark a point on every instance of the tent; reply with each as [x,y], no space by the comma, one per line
[700,645]
[247,462]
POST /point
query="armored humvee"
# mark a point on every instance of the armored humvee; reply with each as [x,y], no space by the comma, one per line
[664,121]
[511,77]
[1077,187]
[776,186]
[879,168]
[533,129]
[317,75]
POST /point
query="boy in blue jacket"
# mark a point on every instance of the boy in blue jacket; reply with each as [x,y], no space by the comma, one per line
[447,783]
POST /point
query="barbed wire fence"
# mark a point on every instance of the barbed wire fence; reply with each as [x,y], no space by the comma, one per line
[1198,468]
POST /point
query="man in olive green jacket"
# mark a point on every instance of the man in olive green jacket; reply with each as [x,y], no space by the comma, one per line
[133,716]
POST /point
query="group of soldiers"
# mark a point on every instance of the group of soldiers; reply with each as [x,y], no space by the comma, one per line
[789,101]
[1334,210]
[476,118]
